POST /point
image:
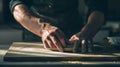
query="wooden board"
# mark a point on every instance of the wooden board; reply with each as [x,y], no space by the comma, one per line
[24,51]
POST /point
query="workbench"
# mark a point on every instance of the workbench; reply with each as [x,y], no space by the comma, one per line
[31,50]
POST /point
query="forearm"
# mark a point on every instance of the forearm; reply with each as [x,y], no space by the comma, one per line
[23,16]
[94,23]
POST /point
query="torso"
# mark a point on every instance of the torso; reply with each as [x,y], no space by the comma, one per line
[66,11]
[52,7]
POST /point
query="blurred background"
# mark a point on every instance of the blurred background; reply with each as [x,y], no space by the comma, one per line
[11,31]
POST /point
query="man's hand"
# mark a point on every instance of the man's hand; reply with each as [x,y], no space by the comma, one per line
[81,43]
[52,37]
[84,39]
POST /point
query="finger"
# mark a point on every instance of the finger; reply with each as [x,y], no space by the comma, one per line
[61,37]
[90,46]
[73,39]
[57,43]
[46,44]
[45,35]
[76,46]
[84,47]
[50,43]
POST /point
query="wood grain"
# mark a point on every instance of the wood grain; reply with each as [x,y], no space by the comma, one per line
[25,51]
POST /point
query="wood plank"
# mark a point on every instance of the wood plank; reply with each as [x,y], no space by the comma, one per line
[25,51]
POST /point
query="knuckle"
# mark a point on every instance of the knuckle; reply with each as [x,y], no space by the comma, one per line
[55,42]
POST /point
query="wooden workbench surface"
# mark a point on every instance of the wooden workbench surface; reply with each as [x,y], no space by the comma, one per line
[25,51]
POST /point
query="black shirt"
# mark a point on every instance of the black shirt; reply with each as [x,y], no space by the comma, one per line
[65,11]
[48,6]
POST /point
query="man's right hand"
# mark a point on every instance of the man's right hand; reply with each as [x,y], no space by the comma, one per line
[53,37]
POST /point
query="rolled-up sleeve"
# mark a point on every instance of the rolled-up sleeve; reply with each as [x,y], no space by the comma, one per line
[13,3]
